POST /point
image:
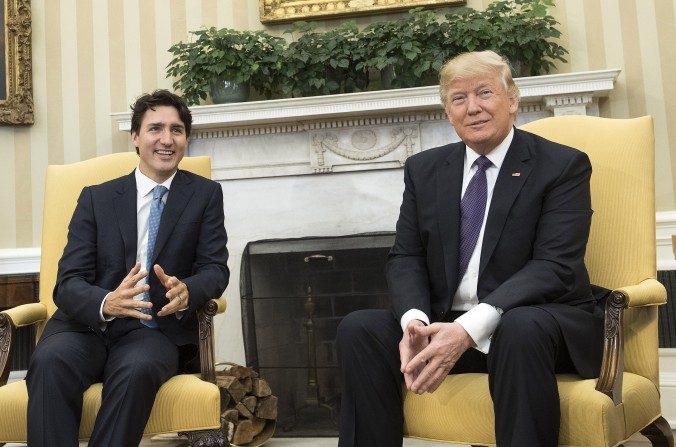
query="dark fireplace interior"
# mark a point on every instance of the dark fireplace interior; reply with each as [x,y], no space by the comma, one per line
[294,294]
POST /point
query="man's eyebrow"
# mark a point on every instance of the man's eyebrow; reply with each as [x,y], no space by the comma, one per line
[160,123]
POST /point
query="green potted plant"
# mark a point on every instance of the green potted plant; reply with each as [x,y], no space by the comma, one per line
[408,52]
[323,63]
[219,60]
[520,30]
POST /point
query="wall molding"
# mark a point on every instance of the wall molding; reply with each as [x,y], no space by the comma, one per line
[19,260]
[27,260]
[668,385]
[665,227]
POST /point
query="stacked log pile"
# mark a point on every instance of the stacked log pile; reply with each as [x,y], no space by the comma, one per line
[247,403]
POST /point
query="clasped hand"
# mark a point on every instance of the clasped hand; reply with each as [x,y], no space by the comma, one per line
[121,302]
[429,352]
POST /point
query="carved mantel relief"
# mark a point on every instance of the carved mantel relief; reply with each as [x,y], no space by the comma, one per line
[353,147]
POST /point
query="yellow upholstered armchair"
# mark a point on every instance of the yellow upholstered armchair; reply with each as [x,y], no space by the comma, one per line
[186,403]
[620,256]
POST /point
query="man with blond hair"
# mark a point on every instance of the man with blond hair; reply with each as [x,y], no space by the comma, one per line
[486,273]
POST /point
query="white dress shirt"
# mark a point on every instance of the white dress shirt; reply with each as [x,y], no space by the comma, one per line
[481,319]
[144,197]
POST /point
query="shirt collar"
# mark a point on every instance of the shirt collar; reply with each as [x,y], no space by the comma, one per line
[496,156]
[145,185]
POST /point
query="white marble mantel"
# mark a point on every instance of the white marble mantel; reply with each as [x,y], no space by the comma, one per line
[327,165]
[293,110]
[358,131]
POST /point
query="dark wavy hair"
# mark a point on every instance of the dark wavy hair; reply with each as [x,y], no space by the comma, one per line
[159,98]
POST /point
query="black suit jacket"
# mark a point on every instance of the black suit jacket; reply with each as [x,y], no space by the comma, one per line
[101,250]
[533,247]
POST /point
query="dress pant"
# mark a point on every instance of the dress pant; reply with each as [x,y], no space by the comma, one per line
[526,349]
[131,360]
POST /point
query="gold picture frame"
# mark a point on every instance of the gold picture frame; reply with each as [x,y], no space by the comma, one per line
[277,11]
[16,73]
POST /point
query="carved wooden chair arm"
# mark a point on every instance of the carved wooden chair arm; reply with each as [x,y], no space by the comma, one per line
[206,338]
[10,319]
[649,292]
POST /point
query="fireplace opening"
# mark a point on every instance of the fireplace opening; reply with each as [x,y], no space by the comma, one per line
[294,293]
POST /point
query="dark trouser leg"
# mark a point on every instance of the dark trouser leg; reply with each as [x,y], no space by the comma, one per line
[526,350]
[61,369]
[139,363]
[368,354]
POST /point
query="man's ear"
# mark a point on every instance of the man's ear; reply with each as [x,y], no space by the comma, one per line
[134,141]
[513,105]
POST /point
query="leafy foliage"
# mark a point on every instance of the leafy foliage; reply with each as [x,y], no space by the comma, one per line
[323,63]
[520,30]
[241,56]
[413,47]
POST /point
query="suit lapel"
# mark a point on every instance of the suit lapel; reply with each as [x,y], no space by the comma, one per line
[178,198]
[125,210]
[449,187]
[506,190]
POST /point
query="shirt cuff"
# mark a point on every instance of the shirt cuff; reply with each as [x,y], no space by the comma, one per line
[480,323]
[101,317]
[413,314]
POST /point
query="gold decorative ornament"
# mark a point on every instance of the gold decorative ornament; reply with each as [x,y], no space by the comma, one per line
[275,11]
[16,95]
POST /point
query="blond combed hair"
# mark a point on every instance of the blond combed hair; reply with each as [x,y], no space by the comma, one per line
[473,64]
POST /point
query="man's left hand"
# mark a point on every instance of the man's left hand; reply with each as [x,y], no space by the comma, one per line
[177,292]
[448,341]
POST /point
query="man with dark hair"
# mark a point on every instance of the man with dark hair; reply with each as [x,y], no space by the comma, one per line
[145,251]
[486,273]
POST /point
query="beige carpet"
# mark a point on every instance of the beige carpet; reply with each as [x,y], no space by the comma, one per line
[636,441]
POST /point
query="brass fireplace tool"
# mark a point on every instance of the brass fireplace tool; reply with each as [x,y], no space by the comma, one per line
[312,401]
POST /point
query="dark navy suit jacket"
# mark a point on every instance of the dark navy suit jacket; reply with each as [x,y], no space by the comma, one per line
[101,250]
[533,247]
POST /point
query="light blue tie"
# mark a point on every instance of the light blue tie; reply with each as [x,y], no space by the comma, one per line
[156,208]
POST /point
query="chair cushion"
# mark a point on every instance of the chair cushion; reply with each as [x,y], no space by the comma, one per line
[461,411]
[183,403]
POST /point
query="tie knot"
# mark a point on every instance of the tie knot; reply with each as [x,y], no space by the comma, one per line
[483,163]
[159,191]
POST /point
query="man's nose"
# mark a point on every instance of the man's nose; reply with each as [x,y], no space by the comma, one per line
[165,138]
[473,106]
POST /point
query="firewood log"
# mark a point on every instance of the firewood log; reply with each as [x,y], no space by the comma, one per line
[243,433]
[267,408]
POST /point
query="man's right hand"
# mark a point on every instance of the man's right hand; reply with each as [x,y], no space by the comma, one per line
[121,303]
[410,345]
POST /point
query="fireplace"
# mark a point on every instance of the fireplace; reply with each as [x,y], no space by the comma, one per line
[294,292]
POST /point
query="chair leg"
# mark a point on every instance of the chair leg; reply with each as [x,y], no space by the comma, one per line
[205,438]
[659,433]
